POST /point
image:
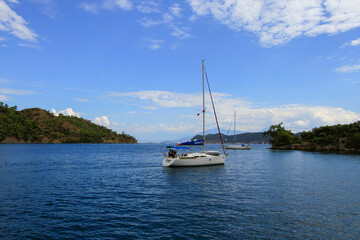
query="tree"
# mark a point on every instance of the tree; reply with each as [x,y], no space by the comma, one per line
[280,136]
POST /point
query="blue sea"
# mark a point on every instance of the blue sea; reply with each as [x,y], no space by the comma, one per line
[114,191]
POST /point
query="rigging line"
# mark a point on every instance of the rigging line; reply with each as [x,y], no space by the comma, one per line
[229,128]
[217,123]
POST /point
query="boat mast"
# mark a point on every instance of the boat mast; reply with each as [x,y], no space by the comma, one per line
[235,127]
[203,86]
[212,102]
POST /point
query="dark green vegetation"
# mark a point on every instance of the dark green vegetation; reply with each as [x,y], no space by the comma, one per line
[341,137]
[240,138]
[36,125]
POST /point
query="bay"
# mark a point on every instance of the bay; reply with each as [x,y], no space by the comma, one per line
[115,191]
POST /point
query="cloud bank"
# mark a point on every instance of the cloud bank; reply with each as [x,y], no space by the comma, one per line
[297,117]
[278,21]
[274,22]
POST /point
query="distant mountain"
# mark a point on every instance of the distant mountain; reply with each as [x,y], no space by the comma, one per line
[35,125]
[246,137]
[212,133]
[223,131]
[183,139]
[256,137]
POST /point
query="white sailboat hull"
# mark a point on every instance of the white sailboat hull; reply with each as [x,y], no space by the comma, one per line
[194,159]
[238,147]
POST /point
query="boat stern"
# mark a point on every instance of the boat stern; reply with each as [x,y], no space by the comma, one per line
[167,161]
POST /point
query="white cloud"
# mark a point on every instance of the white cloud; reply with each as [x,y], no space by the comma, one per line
[148,7]
[4,92]
[193,18]
[48,7]
[3,98]
[149,107]
[147,22]
[82,100]
[161,127]
[153,44]
[90,7]
[175,45]
[169,19]
[4,81]
[104,121]
[353,43]
[302,123]
[114,4]
[18,92]
[66,112]
[175,10]
[163,99]
[277,22]
[348,68]
[180,33]
[158,132]
[53,111]
[95,7]
[28,45]
[11,22]
[115,124]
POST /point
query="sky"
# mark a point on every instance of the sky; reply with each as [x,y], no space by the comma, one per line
[135,65]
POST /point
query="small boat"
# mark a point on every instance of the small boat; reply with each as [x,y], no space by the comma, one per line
[192,142]
[237,146]
[204,158]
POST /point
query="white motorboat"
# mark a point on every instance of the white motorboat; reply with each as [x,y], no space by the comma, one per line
[204,158]
[237,146]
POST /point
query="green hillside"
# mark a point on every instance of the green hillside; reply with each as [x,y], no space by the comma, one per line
[37,125]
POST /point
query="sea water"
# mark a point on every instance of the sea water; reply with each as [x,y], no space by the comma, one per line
[114,191]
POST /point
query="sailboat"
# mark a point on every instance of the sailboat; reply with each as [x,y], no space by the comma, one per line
[203,158]
[237,146]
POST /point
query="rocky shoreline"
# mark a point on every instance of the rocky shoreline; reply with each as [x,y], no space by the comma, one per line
[340,147]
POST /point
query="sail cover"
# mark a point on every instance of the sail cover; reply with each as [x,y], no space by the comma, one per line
[176,147]
[192,142]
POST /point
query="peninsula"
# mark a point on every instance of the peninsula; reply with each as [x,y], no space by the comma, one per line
[342,138]
[35,125]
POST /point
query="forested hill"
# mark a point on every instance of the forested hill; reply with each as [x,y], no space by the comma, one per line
[37,125]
